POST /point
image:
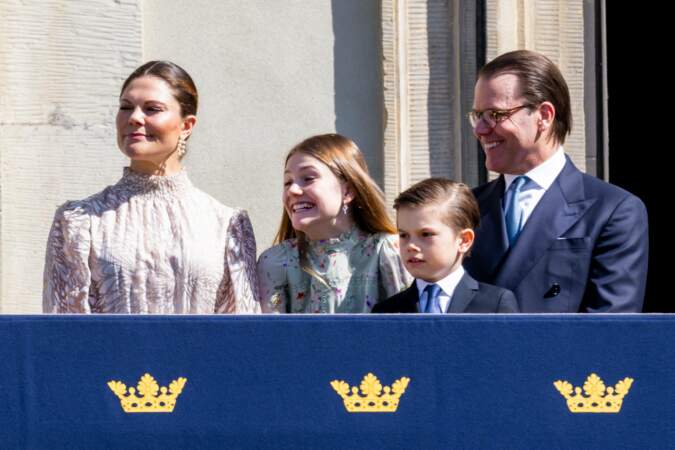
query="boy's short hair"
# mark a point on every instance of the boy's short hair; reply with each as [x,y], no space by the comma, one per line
[459,204]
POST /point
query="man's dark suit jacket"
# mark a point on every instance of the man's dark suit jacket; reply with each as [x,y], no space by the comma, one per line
[470,296]
[583,248]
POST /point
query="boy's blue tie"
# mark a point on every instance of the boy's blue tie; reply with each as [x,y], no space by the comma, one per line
[433,306]
[513,209]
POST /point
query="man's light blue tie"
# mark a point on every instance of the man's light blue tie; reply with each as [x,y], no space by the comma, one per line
[514,210]
[433,306]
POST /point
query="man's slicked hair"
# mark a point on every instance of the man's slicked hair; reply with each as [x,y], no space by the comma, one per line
[540,81]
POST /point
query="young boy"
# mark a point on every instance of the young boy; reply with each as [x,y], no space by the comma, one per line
[436,219]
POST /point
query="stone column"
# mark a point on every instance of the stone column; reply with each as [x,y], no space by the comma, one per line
[556,29]
[429,66]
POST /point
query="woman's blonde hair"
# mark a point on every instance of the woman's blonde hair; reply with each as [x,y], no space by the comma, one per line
[345,160]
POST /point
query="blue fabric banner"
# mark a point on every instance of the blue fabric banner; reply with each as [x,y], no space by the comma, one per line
[261,382]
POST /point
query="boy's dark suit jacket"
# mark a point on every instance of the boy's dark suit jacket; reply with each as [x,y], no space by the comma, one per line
[470,296]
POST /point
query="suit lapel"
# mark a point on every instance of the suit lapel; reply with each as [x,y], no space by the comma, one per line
[491,241]
[562,205]
[410,300]
[464,293]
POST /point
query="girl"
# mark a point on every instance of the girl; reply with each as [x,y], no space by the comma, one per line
[336,250]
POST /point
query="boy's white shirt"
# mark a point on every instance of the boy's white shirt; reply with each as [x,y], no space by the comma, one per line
[447,285]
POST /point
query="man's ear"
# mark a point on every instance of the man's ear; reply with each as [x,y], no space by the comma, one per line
[546,117]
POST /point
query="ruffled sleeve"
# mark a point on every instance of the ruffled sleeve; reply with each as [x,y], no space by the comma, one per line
[238,293]
[272,275]
[393,276]
[67,276]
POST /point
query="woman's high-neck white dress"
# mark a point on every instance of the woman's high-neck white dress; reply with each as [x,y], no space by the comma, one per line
[150,245]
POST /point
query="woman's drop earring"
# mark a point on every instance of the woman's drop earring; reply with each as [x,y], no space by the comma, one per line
[181,147]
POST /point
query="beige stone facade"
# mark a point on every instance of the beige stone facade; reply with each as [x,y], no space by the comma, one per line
[556,29]
[394,74]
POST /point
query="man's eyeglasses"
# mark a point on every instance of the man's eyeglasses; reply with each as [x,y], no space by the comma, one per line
[493,116]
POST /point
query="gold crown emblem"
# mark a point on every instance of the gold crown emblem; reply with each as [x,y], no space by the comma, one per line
[152,398]
[596,397]
[372,397]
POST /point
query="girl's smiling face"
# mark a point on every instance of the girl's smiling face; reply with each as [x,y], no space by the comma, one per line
[314,198]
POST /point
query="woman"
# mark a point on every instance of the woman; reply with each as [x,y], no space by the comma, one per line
[152,243]
[336,249]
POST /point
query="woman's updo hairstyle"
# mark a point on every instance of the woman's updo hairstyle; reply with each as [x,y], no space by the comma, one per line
[182,86]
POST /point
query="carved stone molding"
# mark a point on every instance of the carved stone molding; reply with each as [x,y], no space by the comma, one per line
[429,66]
[556,29]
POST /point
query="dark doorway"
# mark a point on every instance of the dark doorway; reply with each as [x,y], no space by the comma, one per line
[637,80]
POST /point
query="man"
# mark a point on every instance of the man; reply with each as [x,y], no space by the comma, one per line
[561,240]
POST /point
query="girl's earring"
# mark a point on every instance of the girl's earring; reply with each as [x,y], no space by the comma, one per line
[345,209]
